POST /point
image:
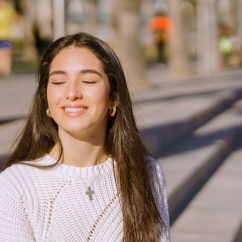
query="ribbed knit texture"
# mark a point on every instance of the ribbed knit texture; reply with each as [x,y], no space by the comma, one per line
[52,205]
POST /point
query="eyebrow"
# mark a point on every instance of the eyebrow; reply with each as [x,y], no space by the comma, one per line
[60,72]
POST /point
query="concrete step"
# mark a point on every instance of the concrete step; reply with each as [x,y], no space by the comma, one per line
[8,133]
[15,97]
[191,162]
[164,122]
[160,75]
[215,214]
[188,87]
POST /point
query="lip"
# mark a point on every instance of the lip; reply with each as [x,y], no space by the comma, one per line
[69,111]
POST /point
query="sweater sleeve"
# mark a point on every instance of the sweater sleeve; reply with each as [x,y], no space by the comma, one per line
[14,224]
[160,194]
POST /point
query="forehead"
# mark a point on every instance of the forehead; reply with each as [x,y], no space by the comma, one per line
[76,61]
[73,55]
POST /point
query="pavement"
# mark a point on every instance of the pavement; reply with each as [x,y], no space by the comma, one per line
[193,160]
[215,213]
[193,127]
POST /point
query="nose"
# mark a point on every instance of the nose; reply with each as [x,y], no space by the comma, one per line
[73,91]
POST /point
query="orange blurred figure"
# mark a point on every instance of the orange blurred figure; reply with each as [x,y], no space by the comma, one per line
[160,25]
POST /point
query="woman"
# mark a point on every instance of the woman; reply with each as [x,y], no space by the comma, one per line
[80,171]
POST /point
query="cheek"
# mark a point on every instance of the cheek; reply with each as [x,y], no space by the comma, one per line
[49,96]
[52,97]
[104,99]
[54,93]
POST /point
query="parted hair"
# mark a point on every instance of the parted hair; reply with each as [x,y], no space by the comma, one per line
[141,219]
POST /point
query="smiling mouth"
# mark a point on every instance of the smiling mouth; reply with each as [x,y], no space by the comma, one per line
[74,110]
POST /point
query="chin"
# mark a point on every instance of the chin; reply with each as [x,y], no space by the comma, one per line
[75,129]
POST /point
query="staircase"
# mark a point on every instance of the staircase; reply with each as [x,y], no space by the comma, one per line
[195,132]
[194,129]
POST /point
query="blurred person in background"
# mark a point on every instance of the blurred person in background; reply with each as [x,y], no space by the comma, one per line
[160,24]
[80,171]
[229,47]
[8,16]
[225,45]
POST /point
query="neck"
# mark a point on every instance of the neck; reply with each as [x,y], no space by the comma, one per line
[80,153]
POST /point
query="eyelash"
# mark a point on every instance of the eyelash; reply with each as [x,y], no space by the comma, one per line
[86,82]
[57,83]
[89,82]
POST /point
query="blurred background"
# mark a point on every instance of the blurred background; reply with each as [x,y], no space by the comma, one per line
[182,60]
[185,37]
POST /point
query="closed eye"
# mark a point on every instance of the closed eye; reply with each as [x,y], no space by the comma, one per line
[89,82]
[58,83]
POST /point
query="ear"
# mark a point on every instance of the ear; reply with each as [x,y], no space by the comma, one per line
[113,104]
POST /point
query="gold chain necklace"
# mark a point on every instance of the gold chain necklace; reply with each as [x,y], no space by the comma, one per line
[89,191]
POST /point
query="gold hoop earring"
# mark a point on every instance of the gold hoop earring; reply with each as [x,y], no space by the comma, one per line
[112,112]
[48,113]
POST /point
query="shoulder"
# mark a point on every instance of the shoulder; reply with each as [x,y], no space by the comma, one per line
[10,180]
[23,167]
[153,166]
[158,186]
[156,175]
[15,177]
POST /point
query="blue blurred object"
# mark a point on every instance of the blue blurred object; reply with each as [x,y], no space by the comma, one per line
[5,44]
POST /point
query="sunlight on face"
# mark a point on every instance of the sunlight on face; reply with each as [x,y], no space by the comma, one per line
[78,92]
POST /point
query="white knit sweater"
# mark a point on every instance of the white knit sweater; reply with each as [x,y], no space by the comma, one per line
[52,205]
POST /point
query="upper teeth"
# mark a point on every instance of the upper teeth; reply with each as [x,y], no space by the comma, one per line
[74,109]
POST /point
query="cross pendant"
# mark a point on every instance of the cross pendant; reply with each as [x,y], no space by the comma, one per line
[89,193]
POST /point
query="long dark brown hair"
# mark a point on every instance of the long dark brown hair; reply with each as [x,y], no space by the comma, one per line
[141,218]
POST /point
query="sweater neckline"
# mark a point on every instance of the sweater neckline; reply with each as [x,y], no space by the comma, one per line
[83,172]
